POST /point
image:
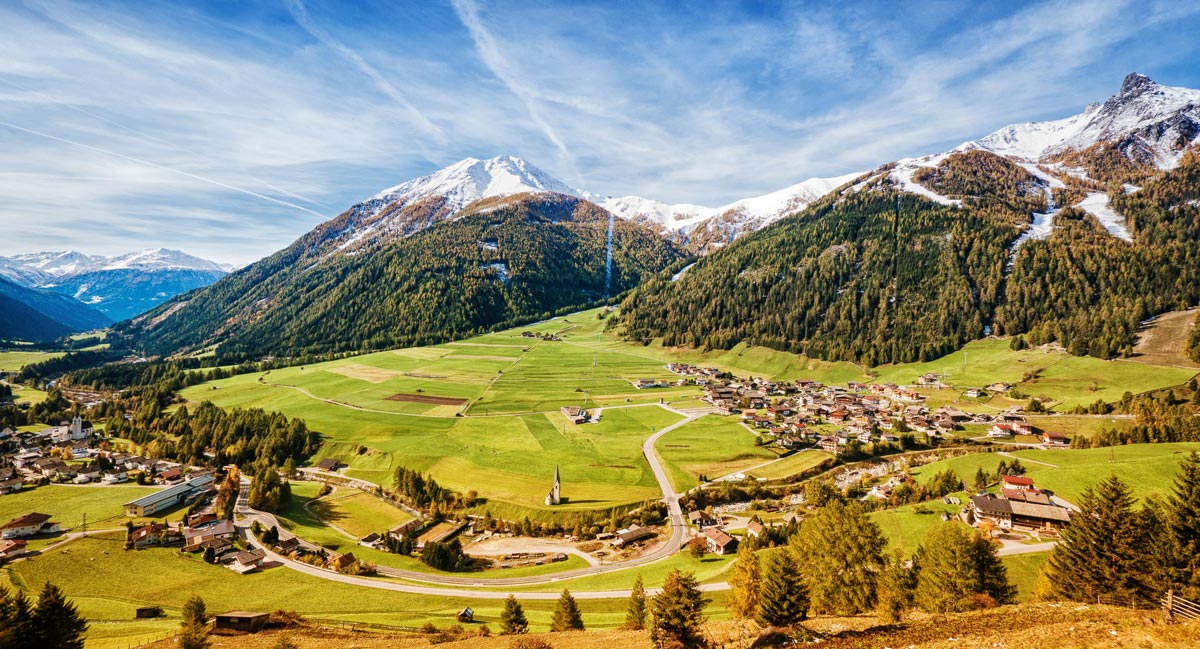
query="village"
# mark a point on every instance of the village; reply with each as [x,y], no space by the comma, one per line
[791,416]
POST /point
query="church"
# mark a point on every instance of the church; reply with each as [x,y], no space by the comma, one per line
[555,495]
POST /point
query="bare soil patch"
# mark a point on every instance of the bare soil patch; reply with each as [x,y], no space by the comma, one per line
[1164,341]
[365,372]
[425,398]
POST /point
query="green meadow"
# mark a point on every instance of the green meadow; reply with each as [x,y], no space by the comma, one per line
[1148,469]
[712,446]
[482,414]
[67,504]
[116,581]
[14,360]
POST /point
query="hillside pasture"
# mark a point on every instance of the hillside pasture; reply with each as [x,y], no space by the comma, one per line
[67,504]
[117,581]
[358,513]
[12,360]
[711,446]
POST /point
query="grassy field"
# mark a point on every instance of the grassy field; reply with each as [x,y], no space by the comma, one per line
[68,503]
[1023,572]
[1147,468]
[109,590]
[13,360]
[791,465]
[712,446]
[358,513]
[904,528]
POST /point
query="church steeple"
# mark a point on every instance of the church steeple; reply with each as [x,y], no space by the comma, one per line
[555,495]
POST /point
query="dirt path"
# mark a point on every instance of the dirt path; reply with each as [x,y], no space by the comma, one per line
[501,545]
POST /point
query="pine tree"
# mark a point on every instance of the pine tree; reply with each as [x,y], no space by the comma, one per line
[839,551]
[896,586]
[784,598]
[745,583]
[567,616]
[1101,553]
[1184,505]
[635,614]
[981,480]
[193,627]
[56,621]
[959,571]
[677,613]
[512,618]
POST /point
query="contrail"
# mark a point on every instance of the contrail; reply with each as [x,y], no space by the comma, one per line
[164,168]
[300,14]
[148,137]
[468,13]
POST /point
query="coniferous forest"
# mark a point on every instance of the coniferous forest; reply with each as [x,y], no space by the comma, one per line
[501,264]
[878,275]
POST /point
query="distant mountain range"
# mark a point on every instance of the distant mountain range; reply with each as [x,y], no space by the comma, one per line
[1072,231]
[119,287]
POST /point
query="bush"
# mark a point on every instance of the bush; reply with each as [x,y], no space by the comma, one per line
[528,642]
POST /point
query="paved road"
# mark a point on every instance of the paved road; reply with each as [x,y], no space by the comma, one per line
[367,582]
[679,534]
[1010,548]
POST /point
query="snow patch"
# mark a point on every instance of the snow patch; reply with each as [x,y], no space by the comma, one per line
[1097,205]
[676,277]
[903,174]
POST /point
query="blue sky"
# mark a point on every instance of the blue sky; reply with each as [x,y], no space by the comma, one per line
[229,129]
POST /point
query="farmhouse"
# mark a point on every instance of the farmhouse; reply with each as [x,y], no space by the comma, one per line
[754,528]
[170,497]
[1016,482]
[251,560]
[329,464]
[574,414]
[12,548]
[1007,514]
[155,534]
[718,541]
[701,518]
[29,525]
[196,537]
[632,535]
[244,621]
[1054,439]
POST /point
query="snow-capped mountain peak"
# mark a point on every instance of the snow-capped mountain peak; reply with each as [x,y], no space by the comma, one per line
[159,259]
[1148,121]
[469,180]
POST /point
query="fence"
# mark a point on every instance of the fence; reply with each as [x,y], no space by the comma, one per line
[1175,606]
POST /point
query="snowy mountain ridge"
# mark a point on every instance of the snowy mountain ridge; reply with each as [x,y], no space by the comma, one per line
[43,268]
[421,202]
[1151,122]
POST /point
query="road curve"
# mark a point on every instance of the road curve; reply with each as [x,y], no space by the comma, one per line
[452,585]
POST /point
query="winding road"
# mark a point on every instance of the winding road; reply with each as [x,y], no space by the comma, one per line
[453,586]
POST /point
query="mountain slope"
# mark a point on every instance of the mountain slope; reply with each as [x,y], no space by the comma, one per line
[120,287]
[408,208]
[501,261]
[924,254]
[29,314]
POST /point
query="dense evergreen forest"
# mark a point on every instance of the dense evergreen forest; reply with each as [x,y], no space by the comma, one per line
[504,263]
[880,275]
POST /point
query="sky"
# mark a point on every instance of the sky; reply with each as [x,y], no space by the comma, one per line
[229,129]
